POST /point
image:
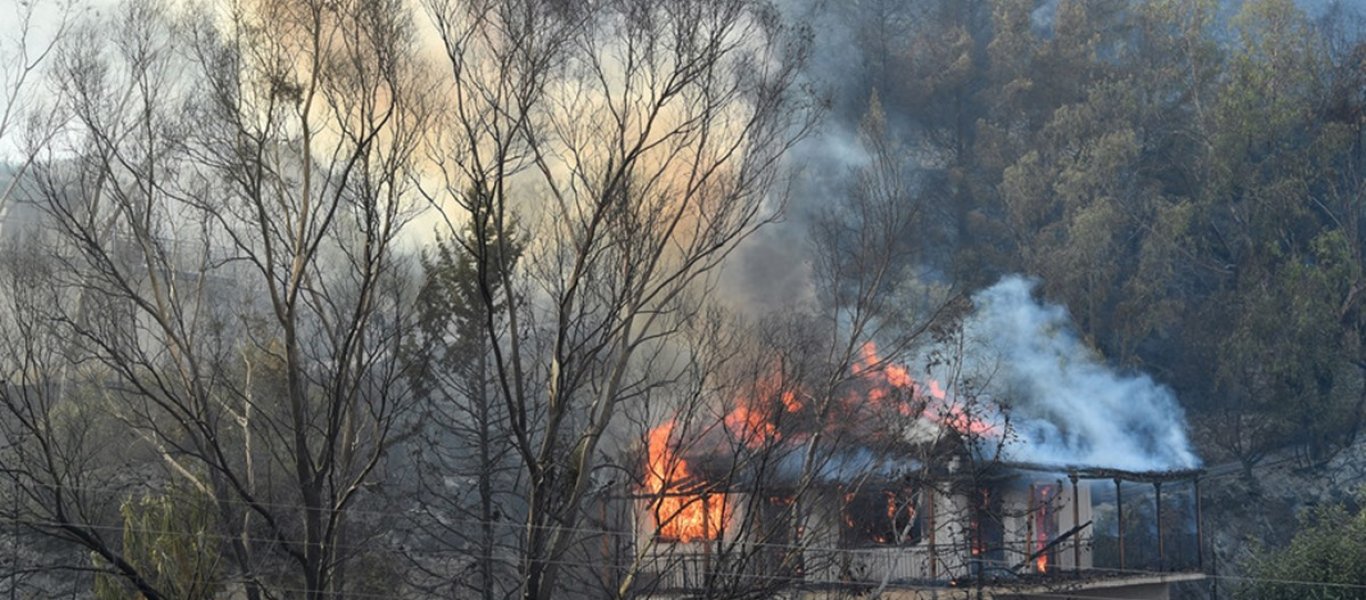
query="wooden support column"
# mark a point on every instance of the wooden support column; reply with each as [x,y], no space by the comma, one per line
[704,578]
[1029,526]
[1161,541]
[1119,518]
[934,553]
[1076,522]
[1199,530]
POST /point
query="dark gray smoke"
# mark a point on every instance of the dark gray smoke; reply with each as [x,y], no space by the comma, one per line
[771,269]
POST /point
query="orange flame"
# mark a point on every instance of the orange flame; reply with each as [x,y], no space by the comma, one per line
[934,401]
[754,420]
[687,517]
[680,517]
[1042,521]
[750,426]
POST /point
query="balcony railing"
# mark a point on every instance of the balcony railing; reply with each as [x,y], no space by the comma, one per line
[893,567]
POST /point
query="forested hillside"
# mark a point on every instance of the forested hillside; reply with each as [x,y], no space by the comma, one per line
[1185,177]
[570,299]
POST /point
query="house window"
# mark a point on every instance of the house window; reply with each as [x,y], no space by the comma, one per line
[880,517]
[986,531]
[691,517]
[1043,525]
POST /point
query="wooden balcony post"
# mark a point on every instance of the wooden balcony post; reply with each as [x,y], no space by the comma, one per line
[1119,518]
[1076,522]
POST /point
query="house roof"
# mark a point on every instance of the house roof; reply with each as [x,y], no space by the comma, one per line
[1093,472]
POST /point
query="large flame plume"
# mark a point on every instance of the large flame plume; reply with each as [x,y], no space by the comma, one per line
[685,511]
[926,400]
[681,517]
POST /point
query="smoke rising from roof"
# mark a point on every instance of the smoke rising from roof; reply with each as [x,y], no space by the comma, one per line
[1067,406]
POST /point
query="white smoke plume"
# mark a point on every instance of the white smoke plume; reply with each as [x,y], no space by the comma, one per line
[1067,406]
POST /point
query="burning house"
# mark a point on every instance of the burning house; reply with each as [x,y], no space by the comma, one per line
[897,486]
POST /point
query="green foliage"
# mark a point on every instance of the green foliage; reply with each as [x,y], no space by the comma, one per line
[1330,548]
[1187,184]
[467,283]
[452,335]
[169,539]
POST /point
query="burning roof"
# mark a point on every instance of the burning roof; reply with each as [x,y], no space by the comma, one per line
[1067,413]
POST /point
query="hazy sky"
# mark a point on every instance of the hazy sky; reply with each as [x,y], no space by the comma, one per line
[46,18]
[48,15]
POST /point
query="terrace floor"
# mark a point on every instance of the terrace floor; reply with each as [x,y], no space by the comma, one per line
[1087,586]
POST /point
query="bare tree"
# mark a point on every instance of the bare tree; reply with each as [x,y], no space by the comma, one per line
[62,480]
[647,135]
[226,217]
[35,30]
[746,457]
[461,463]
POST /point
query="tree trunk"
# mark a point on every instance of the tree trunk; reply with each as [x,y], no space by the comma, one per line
[486,509]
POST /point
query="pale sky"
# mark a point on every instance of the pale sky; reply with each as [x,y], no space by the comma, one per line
[46,17]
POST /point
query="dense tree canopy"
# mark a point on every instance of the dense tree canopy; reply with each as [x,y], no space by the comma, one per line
[1186,178]
[1330,548]
[229,363]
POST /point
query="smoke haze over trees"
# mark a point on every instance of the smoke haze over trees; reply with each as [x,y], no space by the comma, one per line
[319,299]
[1183,177]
